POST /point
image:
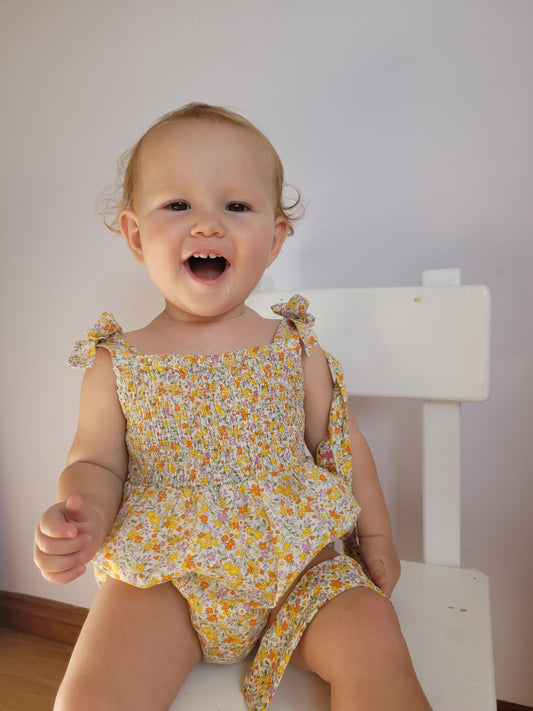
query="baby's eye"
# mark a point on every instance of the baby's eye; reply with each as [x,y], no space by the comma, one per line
[178,205]
[237,207]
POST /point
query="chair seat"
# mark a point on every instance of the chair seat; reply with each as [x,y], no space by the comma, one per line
[216,687]
[445,618]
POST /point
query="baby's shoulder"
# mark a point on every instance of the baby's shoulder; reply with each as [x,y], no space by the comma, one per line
[259,329]
[140,339]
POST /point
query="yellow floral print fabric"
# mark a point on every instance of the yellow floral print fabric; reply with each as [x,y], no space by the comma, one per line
[222,497]
[317,586]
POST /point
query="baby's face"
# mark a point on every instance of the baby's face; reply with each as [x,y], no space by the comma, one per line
[203,220]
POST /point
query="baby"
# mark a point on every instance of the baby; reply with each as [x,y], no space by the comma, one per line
[215,461]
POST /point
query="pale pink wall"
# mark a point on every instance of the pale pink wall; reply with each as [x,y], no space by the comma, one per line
[407,126]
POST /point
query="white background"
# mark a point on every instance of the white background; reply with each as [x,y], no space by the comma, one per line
[408,125]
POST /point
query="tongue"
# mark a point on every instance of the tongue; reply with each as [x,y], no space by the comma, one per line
[207,268]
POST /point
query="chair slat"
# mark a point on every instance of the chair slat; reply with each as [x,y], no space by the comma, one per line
[427,343]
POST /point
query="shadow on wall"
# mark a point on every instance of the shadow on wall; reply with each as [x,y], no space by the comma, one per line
[392,428]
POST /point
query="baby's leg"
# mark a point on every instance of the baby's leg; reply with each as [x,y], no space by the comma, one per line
[134,651]
[354,642]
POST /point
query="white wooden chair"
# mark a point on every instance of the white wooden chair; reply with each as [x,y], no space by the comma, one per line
[429,342]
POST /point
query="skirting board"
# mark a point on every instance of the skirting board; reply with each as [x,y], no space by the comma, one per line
[56,621]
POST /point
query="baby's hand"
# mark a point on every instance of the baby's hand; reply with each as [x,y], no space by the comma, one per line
[67,537]
[381,560]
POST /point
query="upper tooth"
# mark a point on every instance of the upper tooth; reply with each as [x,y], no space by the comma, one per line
[205,256]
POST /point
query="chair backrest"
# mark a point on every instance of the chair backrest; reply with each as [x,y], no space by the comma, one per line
[428,342]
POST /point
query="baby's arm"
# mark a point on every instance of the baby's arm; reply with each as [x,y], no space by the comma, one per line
[376,544]
[374,530]
[90,487]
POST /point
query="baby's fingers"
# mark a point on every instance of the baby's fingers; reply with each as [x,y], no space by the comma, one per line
[59,546]
[54,524]
[377,573]
[65,576]
[59,568]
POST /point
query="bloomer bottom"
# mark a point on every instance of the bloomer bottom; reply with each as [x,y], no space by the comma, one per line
[320,583]
[227,630]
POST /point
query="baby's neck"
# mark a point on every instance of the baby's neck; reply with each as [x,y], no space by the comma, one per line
[166,335]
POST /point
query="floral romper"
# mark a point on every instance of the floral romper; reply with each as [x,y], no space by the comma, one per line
[222,497]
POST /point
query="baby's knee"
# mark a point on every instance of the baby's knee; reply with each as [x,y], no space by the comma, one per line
[372,639]
[378,611]
[371,620]
[354,627]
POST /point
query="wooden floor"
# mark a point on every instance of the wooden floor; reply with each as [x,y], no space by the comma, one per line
[30,670]
[32,667]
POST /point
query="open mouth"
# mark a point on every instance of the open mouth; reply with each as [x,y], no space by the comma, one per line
[207,266]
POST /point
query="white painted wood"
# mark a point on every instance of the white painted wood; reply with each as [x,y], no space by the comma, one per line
[441,277]
[441,463]
[430,343]
[214,687]
[445,617]
[441,483]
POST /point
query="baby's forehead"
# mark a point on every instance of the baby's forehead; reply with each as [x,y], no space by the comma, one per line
[200,132]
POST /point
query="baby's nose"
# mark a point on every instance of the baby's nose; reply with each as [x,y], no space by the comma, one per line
[208,225]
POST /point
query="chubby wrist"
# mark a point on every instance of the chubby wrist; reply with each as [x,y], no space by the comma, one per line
[375,522]
[356,539]
[375,535]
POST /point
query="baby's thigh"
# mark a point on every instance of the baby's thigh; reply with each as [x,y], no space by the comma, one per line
[135,650]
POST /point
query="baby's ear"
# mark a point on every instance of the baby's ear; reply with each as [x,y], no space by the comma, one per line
[129,226]
[281,227]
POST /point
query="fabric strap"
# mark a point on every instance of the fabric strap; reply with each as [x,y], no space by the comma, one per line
[319,585]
